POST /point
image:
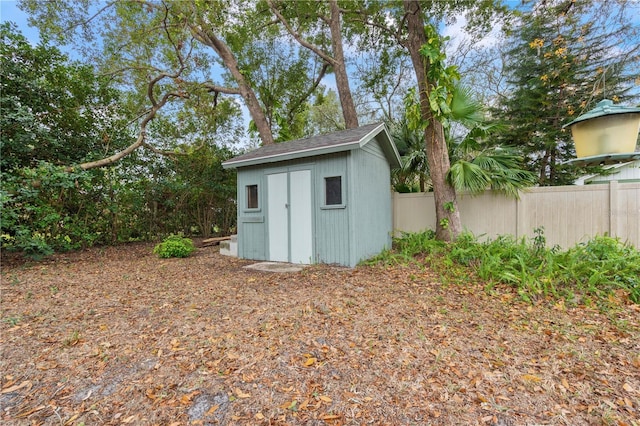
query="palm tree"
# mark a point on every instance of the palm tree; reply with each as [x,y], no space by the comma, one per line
[414,172]
[475,165]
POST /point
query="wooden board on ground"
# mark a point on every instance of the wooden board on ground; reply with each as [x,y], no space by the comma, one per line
[214,241]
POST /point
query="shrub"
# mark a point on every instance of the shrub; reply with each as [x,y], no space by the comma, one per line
[174,246]
[595,268]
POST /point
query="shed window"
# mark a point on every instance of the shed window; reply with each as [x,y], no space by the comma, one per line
[333,190]
[252,196]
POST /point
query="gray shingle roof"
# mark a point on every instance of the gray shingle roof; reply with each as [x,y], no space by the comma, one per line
[343,140]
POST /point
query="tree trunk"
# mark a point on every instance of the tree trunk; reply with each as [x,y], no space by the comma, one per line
[340,69]
[245,89]
[336,60]
[448,224]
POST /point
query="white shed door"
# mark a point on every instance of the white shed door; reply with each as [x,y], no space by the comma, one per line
[278,217]
[300,216]
[289,217]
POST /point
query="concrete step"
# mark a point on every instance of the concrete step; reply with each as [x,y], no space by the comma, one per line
[229,247]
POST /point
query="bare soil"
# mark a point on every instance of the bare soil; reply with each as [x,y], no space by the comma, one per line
[114,335]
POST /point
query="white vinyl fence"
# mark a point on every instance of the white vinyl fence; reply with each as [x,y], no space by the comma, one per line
[568,214]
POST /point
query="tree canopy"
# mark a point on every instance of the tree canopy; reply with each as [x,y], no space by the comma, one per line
[183,78]
[561,65]
[53,109]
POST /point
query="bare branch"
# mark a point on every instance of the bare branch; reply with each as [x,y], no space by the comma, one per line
[308,93]
[211,87]
[142,134]
[315,49]
[91,18]
[397,34]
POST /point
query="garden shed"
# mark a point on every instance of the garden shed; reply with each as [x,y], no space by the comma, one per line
[323,199]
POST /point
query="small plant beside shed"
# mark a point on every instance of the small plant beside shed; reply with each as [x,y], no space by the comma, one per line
[174,246]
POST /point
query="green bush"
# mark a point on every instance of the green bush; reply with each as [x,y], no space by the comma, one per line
[603,263]
[46,208]
[595,268]
[174,246]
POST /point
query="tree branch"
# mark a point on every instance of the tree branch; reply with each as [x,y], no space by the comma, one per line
[211,87]
[208,38]
[315,49]
[142,134]
[308,93]
[156,105]
[91,18]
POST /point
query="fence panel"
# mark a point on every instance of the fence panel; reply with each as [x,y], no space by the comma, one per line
[568,214]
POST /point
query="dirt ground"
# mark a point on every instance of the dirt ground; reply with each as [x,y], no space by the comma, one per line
[117,336]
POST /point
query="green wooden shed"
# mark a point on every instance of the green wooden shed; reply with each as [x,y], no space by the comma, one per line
[323,199]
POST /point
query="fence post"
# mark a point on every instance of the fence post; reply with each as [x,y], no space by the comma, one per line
[613,208]
[394,214]
[520,216]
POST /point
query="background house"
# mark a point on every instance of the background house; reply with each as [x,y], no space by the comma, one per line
[622,172]
[323,199]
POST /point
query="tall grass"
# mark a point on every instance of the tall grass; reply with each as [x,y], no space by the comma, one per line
[594,269]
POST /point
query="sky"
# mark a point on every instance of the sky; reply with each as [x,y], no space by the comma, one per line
[9,12]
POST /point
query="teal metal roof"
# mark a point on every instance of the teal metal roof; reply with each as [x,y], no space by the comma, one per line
[604,159]
[604,107]
[344,140]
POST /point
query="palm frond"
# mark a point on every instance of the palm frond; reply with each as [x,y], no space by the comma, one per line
[465,108]
[464,175]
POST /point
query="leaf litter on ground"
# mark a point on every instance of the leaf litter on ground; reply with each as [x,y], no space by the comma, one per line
[117,336]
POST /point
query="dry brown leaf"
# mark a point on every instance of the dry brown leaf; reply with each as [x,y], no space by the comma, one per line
[289,405]
[212,410]
[259,416]
[72,418]
[25,384]
[129,419]
[44,366]
[531,378]
[240,394]
[304,404]
[310,361]
[325,398]
[186,399]
[27,413]
[330,417]
[628,388]
[150,394]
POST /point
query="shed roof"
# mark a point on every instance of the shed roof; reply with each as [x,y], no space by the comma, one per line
[344,140]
